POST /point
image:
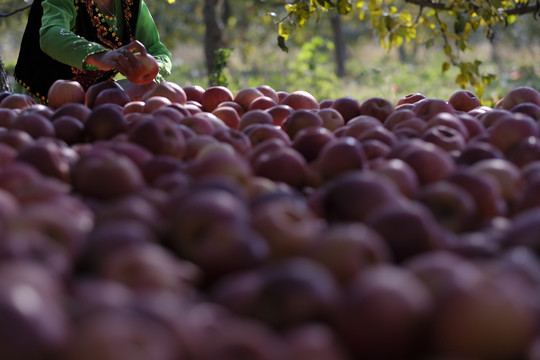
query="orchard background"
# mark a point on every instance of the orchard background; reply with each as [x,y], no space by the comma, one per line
[337,54]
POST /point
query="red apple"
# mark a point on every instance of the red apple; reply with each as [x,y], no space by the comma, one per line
[194,92]
[508,131]
[93,91]
[246,96]
[65,91]
[427,108]
[214,95]
[301,119]
[262,102]
[347,106]
[160,136]
[167,89]
[69,129]
[518,95]
[332,119]
[339,156]
[268,91]
[229,115]
[79,111]
[105,175]
[146,72]
[279,113]
[400,173]
[104,122]
[257,116]
[309,141]
[300,99]
[377,107]
[113,96]
[17,101]
[373,327]
[410,98]
[35,124]
[464,100]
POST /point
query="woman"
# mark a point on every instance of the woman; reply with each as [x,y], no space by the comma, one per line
[85,40]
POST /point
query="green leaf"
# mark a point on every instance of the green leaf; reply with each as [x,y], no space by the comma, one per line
[445,66]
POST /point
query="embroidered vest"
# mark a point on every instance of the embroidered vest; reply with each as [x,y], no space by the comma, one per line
[36,71]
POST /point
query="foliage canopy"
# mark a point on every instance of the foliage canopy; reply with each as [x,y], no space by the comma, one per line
[395,22]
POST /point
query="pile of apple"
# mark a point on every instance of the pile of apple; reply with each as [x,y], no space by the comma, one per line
[202,224]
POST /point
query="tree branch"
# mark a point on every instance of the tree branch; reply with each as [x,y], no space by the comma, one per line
[2,14]
[522,10]
[428,4]
[518,10]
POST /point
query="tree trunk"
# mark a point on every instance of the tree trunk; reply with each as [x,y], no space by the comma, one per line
[339,45]
[4,85]
[214,36]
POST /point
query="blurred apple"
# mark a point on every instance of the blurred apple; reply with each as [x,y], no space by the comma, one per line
[352,196]
[77,110]
[259,133]
[301,119]
[400,173]
[408,227]
[485,191]
[286,223]
[508,131]
[332,119]
[17,101]
[384,314]
[194,92]
[167,89]
[229,115]
[268,91]
[262,102]
[314,341]
[104,122]
[159,136]
[152,103]
[105,175]
[46,156]
[453,207]
[347,106]
[518,95]
[35,124]
[377,107]
[239,140]
[310,140]
[430,162]
[113,96]
[339,156]
[245,96]
[347,249]
[214,95]
[410,98]
[279,113]
[429,107]
[257,116]
[93,91]
[285,165]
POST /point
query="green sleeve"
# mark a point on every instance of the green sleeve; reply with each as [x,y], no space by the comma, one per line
[148,34]
[58,41]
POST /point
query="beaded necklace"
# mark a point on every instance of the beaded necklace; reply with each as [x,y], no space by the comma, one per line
[107,34]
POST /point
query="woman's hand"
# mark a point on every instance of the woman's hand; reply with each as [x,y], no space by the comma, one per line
[121,59]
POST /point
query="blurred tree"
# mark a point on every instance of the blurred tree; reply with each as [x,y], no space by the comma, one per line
[395,22]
